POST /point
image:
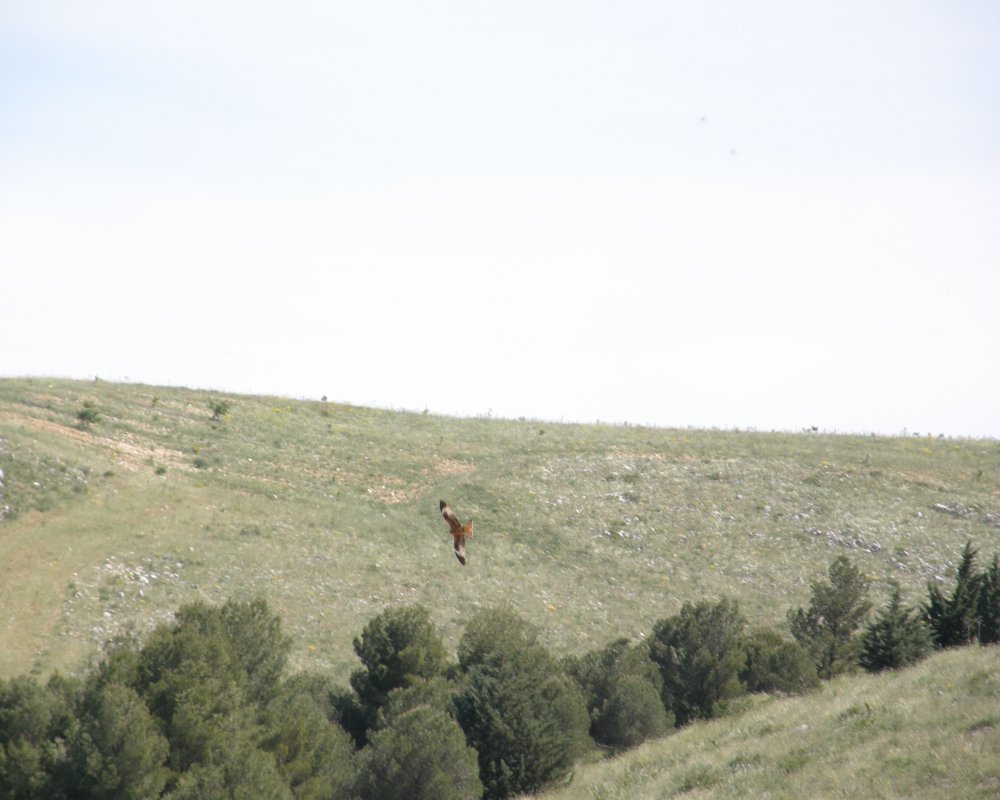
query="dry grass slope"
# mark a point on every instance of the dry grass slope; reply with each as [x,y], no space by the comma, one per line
[330,512]
[932,731]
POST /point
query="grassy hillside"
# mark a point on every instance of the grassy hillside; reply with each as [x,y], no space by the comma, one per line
[932,731]
[330,512]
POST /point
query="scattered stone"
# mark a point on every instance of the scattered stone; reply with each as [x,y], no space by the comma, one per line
[957,510]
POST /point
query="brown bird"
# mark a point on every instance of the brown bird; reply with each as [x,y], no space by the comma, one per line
[458,531]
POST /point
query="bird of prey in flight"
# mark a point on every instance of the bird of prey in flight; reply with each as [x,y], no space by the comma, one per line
[458,531]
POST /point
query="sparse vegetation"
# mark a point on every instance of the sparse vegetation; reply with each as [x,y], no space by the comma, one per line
[219,408]
[88,414]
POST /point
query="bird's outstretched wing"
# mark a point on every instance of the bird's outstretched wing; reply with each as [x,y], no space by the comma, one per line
[451,519]
[459,532]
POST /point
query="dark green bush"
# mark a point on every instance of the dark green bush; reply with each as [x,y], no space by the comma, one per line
[776,665]
[31,722]
[896,638]
[314,755]
[421,755]
[699,653]
[192,682]
[952,619]
[437,693]
[88,415]
[490,633]
[397,648]
[988,608]
[524,716]
[219,408]
[258,643]
[237,770]
[621,686]
[118,750]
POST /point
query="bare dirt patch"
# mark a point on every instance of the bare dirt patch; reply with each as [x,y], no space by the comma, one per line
[126,452]
[391,490]
[449,466]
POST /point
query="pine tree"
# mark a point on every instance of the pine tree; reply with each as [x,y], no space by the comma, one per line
[30,754]
[897,638]
[836,610]
[421,755]
[118,750]
[396,648]
[776,665]
[988,610]
[621,686]
[237,769]
[314,755]
[700,655]
[523,715]
[952,620]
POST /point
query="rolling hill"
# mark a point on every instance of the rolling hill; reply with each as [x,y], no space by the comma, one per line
[330,511]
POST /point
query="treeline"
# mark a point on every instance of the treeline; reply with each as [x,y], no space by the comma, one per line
[203,708]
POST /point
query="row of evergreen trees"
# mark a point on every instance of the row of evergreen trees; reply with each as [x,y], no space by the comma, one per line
[899,635]
[203,709]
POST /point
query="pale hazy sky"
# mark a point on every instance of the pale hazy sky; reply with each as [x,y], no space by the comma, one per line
[770,215]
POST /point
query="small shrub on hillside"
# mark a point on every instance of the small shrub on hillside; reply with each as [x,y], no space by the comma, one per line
[776,665]
[700,655]
[836,610]
[897,638]
[219,408]
[88,414]
[632,713]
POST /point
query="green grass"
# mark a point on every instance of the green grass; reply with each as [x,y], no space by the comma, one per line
[932,731]
[330,512]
